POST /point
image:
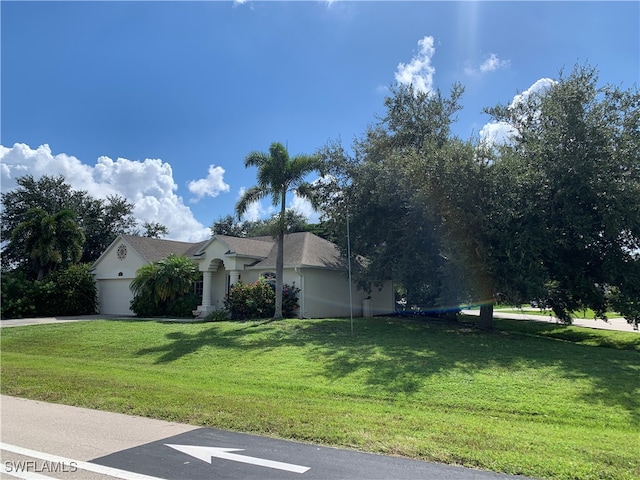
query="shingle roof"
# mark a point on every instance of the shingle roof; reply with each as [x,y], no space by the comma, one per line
[254,246]
[305,249]
[300,249]
[154,249]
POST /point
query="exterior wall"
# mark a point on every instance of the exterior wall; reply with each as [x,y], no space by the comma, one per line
[326,294]
[383,302]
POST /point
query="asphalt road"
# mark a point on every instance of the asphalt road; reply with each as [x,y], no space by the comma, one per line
[42,441]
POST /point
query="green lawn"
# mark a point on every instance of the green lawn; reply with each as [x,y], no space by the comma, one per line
[534,399]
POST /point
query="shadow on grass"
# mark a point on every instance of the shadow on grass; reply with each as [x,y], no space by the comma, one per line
[579,335]
[394,356]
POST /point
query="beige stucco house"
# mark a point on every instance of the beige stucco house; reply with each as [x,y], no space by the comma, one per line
[313,264]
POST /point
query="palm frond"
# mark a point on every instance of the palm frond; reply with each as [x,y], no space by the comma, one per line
[253,194]
[256,159]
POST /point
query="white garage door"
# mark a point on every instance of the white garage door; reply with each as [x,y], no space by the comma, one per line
[114,296]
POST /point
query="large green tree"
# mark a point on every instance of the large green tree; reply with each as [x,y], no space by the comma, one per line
[572,173]
[101,220]
[277,175]
[398,191]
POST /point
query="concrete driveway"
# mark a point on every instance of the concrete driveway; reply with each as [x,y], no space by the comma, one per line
[18,322]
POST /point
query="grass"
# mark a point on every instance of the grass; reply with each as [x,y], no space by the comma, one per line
[540,400]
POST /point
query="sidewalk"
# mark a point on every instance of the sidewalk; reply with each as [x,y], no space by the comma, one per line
[619,324]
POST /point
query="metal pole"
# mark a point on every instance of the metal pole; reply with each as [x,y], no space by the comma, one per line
[349,263]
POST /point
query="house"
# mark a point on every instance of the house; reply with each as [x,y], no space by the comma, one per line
[312,264]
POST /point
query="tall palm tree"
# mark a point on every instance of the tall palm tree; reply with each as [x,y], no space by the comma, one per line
[277,174]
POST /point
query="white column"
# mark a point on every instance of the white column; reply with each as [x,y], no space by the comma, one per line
[234,276]
[206,288]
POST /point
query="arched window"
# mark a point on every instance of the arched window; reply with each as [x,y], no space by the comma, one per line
[270,277]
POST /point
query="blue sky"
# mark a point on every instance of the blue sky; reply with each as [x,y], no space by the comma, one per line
[161,101]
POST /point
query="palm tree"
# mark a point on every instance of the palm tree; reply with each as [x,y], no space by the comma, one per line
[163,281]
[49,240]
[144,285]
[277,174]
[176,274]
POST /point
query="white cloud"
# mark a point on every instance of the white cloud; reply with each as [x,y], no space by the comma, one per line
[497,133]
[501,133]
[149,184]
[419,71]
[491,64]
[211,186]
[538,87]
[265,209]
[256,210]
[303,207]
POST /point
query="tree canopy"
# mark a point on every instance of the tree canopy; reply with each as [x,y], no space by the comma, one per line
[230,225]
[50,240]
[553,214]
[99,220]
[572,202]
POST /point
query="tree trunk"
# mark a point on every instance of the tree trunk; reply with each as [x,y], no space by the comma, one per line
[277,315]
[486,317]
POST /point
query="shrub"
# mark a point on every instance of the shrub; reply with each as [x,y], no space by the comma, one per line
[184,305]
[289,300]
[250,300]
[257,300]
[69,291]
[18,295]
[217,316]
[163,288]
[144,306]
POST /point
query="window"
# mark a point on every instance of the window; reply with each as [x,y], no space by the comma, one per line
[198,287]
[270,277]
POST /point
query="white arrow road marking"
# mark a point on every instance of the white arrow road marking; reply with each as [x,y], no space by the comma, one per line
[205,454]
[91,467]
